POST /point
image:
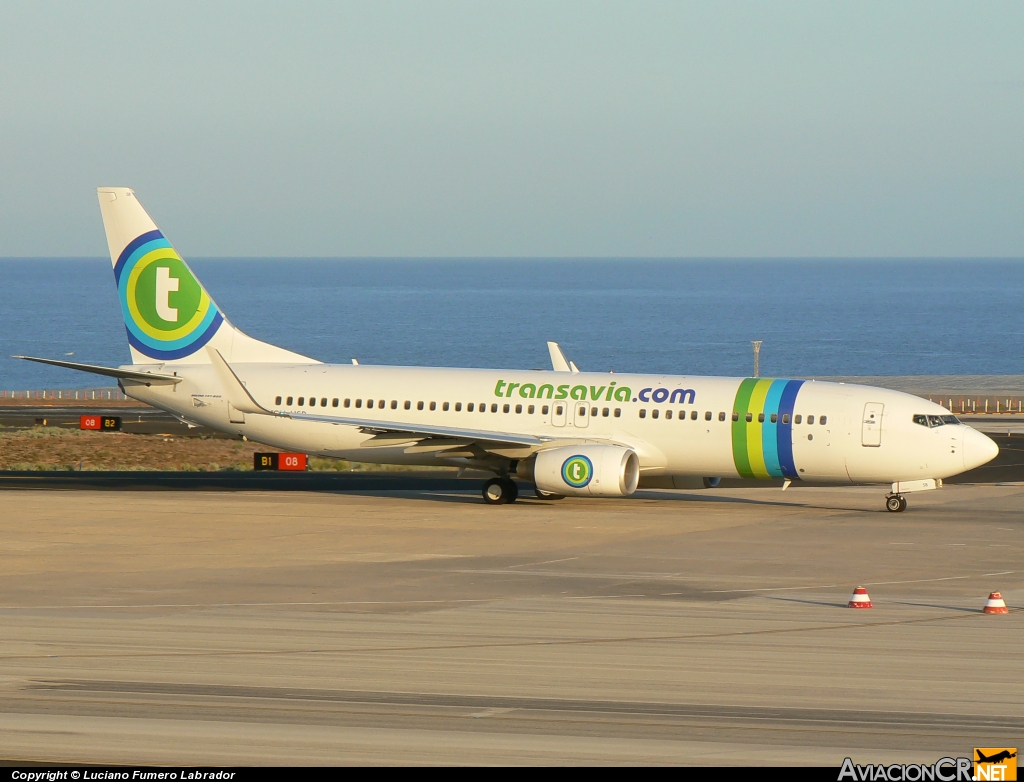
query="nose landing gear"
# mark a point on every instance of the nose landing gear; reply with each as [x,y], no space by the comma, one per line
[896,503]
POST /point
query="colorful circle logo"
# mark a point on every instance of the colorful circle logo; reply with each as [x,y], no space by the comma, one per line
[166,310]
[577,471]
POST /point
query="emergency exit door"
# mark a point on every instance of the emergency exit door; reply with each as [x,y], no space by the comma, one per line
[581,414]
[871,429]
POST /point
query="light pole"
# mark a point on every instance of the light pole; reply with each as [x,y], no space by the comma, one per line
[757,356]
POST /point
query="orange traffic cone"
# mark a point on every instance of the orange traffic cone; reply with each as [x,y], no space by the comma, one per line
[995,605]
[860,598]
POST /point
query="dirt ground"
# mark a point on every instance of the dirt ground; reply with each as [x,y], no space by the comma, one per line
[52,448]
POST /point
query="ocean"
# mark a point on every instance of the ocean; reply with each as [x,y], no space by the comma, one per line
[815,317]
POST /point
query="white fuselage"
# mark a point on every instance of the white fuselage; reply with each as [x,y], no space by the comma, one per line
[677,425]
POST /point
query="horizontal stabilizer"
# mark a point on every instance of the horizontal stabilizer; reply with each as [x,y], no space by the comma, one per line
[150,378]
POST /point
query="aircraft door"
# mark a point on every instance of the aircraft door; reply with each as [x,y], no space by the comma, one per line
[871,429]
[581,414]
[558,413]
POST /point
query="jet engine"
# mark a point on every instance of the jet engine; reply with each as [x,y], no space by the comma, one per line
[587,471]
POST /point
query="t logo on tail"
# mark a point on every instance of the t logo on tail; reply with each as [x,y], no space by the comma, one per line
[165,285]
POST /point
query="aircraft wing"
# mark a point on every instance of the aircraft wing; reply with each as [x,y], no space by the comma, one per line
[150,378]
[240,398]
[419,431]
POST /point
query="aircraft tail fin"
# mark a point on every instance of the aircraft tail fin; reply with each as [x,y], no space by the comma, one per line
[167,312]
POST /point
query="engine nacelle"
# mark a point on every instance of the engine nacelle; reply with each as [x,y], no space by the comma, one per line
[588,470]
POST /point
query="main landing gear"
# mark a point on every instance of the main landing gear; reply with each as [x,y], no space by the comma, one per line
[896,503]
[500,491]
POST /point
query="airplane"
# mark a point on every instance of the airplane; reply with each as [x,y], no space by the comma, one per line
[996,758]
[565,431]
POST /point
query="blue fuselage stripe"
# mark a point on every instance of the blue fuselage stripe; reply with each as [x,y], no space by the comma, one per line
[785,428]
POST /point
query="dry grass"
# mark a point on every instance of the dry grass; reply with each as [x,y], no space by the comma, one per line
[54,448]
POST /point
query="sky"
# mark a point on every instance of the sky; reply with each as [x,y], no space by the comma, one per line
[481,129]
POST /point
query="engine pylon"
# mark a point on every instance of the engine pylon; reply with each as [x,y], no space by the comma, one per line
[995,605]
[860,599]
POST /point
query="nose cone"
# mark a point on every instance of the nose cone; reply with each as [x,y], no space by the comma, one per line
[978,449]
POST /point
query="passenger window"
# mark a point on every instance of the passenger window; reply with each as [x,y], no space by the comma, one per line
[469,408]
[785,418]
[593,412]
[408,405]
[544,410]
[750,417]
[302,401]
[643,413]
[760,418]
[359,403]
[721,416]
[348,403]
[394,404]
[494,407]
[654,413]
[823,420]
[277,400]
[323,402]
[312,401]
[774,418]
[735,416]
[369,404]
[797,419]
[334,402]
[810,419]
[419,405]
[682,415]
[604,413]
[618,412]
[693,415]
[707,416]
[519,408]
[444,407]
[934,420]
[558,409]
[668,415]
[380,404]
[433,405]
[458,407]
[504,408]
[530,409]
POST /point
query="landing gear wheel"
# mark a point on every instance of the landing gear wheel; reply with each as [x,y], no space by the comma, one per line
[511,489]
[896,503]
[499,491]
[546,495]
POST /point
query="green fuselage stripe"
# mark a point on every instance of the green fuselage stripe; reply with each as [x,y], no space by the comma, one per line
[755,429]
[739,428]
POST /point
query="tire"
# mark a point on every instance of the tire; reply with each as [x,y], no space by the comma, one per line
[511,489]
[495,492]
[903,504]
[895,504]
[546,495]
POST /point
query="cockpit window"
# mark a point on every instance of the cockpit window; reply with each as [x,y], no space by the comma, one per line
[935,420]
[921,419]
[950,419]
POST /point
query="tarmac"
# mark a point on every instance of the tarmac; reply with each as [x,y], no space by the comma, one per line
[421,626]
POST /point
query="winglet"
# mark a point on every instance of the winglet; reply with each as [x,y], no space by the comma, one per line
[238,395]
[558,360]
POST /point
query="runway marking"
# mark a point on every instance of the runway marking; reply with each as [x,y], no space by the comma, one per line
[925,580]
[250,605]
[504,644]
[767,589]
[545,562]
